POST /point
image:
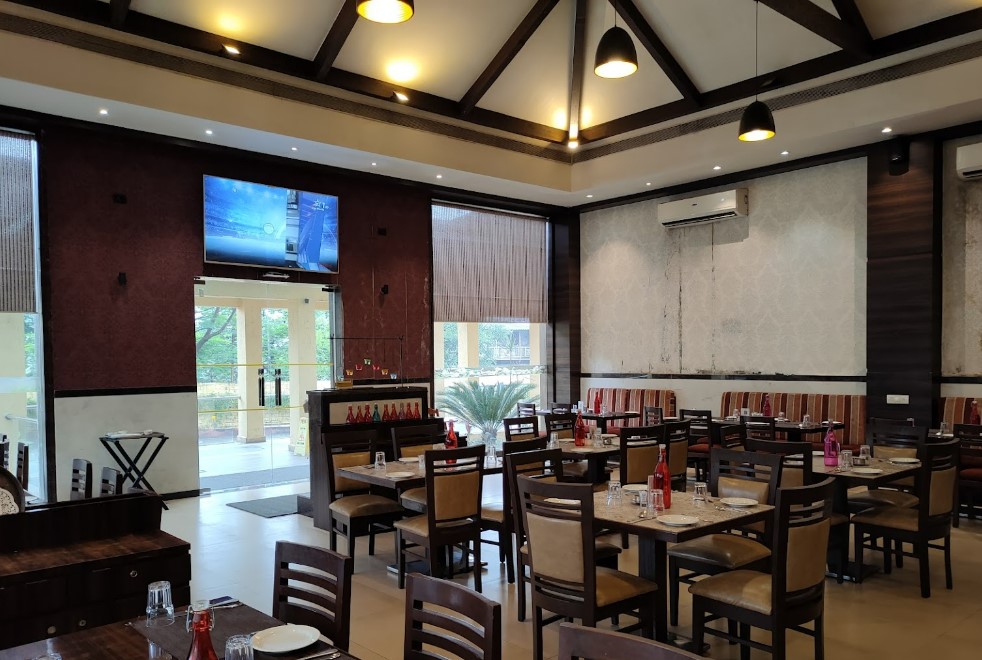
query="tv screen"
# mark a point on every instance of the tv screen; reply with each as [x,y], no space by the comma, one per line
[257,225]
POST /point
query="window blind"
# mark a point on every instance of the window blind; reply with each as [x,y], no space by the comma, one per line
[17,251]
[488,266]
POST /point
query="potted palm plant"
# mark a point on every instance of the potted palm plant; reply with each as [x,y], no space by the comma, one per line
[484,406]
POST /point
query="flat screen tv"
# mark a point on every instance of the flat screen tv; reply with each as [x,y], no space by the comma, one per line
[253,224]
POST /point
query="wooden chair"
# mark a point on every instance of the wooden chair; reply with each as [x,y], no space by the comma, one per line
[525,409]
[875,422]
[565,579]
[791,595]
[969,437]
[888,442]
[4,452]
[81,479]
[700,420]
[796,456]
[677,451]
[559,408]
[12,496]
[411,441]
[521,428]
[760,427]
[563,425]
[498,516]
[652,415]
[354,509]
[937,481]
[722,435]
[639,453]
[111,482]
[732,474]
[473,621]
[453,512]
[22,465]
[593,644]
[321,599]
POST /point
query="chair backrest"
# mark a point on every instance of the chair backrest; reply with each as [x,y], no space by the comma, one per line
[525,409]
[727,436]
[4,453]
[81,479]
[700,419]
[453,490]
[411,441]
[514,447]
[558,521]
[561,423]
[754,475]
[521,428]
[23,469]
[111,482]
[348,449]
[473,621]
[652,415]
[558,407]
[12,496]
[677,446]
[538,464]
[970,439]
[887,421]
[639,452]
[596,644]
[797,467]
[896,441]
[937,481]
[320,599]
[800,543]
[760,427]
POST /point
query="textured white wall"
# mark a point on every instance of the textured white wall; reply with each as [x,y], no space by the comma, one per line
[781,291]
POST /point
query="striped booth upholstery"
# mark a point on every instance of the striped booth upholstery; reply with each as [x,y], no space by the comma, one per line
[850,409]
[956,409]
[621,399]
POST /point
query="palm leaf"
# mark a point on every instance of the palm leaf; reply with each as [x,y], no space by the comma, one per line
[484,406]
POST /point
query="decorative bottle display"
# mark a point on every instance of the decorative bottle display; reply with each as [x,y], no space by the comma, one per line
[596,404]
[199,624]
[386,416]
[402,410]
[766,410]
[663,477]
[831,448]
[416,411]
[579,431]
[376,417]
[350,419]
[359,418]
[973,417]
[451,441]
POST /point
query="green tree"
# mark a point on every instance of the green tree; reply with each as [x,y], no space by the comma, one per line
[490,336]
[484,406]
[215,343]
[451,344]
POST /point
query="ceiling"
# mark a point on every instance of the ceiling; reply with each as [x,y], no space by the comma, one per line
[506,76]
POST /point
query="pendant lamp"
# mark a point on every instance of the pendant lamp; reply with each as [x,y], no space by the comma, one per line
[386,11]
[757,122]
[616,55]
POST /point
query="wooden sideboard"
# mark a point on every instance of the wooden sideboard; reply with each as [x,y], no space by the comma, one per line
[71,566]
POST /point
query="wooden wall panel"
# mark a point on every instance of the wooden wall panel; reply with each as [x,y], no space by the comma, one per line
[565,304]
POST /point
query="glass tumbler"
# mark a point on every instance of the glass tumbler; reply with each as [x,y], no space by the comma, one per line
[656,500]
[553,440]
[806,420]
[160,604]
[700,492]
[613,492]
[238,647]
[380,460]
[845,459]
[943,428]
[864,454]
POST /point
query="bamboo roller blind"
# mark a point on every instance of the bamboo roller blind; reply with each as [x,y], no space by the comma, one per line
[17,252]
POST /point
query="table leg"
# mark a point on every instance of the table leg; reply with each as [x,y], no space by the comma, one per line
[653,565]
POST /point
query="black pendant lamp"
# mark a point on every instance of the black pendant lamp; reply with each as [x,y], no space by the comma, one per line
[757,122]
[616,55]
[386,11]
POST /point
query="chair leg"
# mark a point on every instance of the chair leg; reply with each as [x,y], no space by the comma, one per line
[898,550]
[819,638]
[698,625]
[857,554]
[925,565]
[401,559]
[745,636]
[351,543]
[506,543]
[520,591]
[334,539]
[843,558]
[947,563]
[731,627]
[371,540]
[673,591]
[625,542]
[778,650]
[648,621]
[477,564]
[887,559]
[536,633]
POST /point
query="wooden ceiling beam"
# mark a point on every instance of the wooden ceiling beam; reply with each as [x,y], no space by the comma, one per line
[636,22]
[849,12]
[338,34]
[577,68]
[117,12]
[506,54]
[815,19]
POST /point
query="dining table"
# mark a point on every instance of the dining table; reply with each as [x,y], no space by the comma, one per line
[595,454]
[654,535]
[795,431]
[133,639]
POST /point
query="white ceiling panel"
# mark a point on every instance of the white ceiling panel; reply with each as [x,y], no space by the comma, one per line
[885,17]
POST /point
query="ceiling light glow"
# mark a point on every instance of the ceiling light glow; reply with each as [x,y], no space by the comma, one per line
[573,144]
[374,164]
[616,55]
[589,196]
[386,11]
[717,167]
[401,71]
[887,129]
[231,50]
[293,148]
[228,24]
[209,132]
[103,112]
[400,97]
[439,176]
[785,153]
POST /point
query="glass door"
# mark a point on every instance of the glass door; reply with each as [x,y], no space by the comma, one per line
[261,347]
[22,396]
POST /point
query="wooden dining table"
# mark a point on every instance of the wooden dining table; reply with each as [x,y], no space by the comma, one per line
[131,639]
[654,536]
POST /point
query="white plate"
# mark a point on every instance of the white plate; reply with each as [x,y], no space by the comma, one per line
[633,488]
[399,475]
[673,520]
[865,470]
[581,450]
[412,459]
[818,453]
[739,502]
[904,460]
[559,500]
[283,639]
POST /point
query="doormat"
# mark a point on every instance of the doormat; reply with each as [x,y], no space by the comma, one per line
[270,507]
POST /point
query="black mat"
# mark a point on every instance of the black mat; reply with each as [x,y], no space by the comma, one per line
[270,507]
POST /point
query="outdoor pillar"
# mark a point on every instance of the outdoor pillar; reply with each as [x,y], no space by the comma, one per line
[439,383]
[249,343]
[468,350]
[302,369]
[12,366]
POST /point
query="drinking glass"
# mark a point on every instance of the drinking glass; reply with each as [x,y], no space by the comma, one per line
[845,459]
[238,647]
[943,428]
[643,499]
[864,454]
[700,492]
[50,655]
[160,604]
[736,413]
[806,420]
[781,416]
[422,462]
[657,500]
[613,492]
[553,440]
[380,460]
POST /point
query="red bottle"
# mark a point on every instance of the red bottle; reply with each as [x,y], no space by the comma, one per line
[451,441]
[663,478]
[973,416]
[350,419]
[766,411]
[831,448]
[200,627]
[385,413]
[596,404]
[402,410]
[579,431]
[416,411]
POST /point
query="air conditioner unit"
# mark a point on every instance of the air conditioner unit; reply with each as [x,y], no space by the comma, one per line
[968,161]
[705,208]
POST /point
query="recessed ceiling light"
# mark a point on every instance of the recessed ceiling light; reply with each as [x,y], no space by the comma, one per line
[230,49]
[293,148]
[589,196]
[717,167]
[573,144]
[785,153]
[439,176]
[374,164]
[887,129]
[402,98]
[648,183]
[208,131]
[103,112]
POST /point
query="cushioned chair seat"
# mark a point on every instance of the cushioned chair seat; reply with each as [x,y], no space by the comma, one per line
[614,586]
[418,526]
[577,469]
[891,516]
[700,448]
[726,550]
[602,550]
[357,506]
[414,498]
[884,497]
[971,474]
[493,511]
[747,589]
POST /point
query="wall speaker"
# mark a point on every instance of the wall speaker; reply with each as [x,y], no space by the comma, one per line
[899,153]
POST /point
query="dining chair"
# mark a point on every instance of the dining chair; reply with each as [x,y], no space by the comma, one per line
[930,521]
[969,437]
[700,420]
[888,421]
[651,415]
[563,425]
[887,442]
[22,468]
[638,455]
[790,595]
[454,481]
[733,473]
[4,452]
[525,409]
[355,510]
[410,442]
[594,644]
[560,408]
[450,617]
[498,517]
[677,454]
[111,482]
[13,499]
[81,487]
[521,428]
[564,576]
[760,427]
[723,435]
[321,599]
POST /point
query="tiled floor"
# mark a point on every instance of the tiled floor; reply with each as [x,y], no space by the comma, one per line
[884,617]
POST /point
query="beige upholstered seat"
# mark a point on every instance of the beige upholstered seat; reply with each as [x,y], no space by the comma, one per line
[750,590]
[493,511]
[614,586]
[417,525]
[892,516]
[354,506]
[884,497]
[601,550]
[728,551]
[414,498]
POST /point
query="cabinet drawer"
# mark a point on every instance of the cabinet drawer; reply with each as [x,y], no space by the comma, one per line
[132,578]
[42,626]
[39,596]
